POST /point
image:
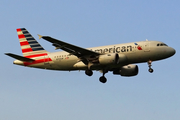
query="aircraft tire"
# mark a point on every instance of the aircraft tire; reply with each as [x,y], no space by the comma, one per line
[151,70]
[102,79]
[89,72]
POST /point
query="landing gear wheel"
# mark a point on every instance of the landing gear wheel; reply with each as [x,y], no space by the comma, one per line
[89,72]
[103,79]
[151,70]
[149,65]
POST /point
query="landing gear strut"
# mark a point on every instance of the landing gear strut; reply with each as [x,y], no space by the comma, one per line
[149,65]
[103,79]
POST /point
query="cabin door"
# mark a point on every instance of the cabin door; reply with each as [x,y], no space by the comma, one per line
[146,46]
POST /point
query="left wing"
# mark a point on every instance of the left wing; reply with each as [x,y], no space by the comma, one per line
[72,49]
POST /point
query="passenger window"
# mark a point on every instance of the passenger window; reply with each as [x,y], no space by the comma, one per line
[157,44]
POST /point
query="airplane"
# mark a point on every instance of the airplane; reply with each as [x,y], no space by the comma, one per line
[120,59]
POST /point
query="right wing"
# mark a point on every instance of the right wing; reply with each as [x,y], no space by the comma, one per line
[72,49]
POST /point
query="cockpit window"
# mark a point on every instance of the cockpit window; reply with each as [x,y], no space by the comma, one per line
[161,44]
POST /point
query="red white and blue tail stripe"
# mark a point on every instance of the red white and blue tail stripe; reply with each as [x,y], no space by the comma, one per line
[29,46]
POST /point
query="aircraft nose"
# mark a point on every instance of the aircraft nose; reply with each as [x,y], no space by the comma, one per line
[172,51]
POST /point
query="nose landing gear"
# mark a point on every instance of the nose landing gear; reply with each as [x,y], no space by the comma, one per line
[149,65]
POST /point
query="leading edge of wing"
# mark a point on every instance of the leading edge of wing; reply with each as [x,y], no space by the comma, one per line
[72,49]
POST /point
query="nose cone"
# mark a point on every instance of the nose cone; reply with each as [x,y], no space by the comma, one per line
[171,51]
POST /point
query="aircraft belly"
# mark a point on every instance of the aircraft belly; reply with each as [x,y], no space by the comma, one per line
[138,57]
[64,64]
[42,65]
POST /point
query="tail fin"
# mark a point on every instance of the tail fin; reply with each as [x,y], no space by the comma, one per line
[29,46]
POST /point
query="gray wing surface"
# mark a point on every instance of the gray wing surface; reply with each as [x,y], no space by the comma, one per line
[72,49]
[20,57]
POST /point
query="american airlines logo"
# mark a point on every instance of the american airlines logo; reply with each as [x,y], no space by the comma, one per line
[138,46]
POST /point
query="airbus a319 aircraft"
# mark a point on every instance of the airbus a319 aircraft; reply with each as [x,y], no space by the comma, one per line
[119,59]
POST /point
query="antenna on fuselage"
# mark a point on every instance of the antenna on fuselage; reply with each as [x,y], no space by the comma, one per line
[146,39]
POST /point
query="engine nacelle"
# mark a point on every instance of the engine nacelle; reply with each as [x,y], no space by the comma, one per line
[109,59]
[128,70]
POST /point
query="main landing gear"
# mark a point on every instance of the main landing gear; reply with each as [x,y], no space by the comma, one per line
[102,79]
[149,65]
[89,72]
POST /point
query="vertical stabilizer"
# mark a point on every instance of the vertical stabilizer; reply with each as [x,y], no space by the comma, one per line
[29,46]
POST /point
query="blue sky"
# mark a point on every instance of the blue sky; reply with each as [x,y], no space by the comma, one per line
[28,93]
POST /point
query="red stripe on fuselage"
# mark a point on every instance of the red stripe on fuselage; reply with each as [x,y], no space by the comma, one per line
[37,61]
[37,55]
[21,36]
[24,43]
[27,50]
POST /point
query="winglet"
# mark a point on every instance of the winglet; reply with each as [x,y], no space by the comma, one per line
[40,36]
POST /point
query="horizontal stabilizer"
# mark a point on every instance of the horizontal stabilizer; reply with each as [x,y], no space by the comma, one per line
[24,59]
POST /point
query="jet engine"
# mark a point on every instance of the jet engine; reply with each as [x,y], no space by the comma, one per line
[109,59]
[127,71]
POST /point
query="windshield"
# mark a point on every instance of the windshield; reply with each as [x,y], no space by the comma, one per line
[161,44]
